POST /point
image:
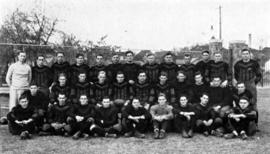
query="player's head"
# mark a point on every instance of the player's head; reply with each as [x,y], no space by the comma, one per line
[183,100]
[168,57]
[163,77]
[60,56]
[83,99]
[205,55]
[241,87]
[150,58]
[243,102]
[62,79]
[33,88]
[82,77]
[142,76]
[136,103]
[162,99]
[40,60]
[99,59]
[181,76]
[22,56]
[120,77]
[187,58]
[23,101]
[129,56]
[198,77]
[217,56]
[204,99]
[101,76]
[79,58]
[106,102]
[245,54]
[115,59]
[62,99]
[216,81]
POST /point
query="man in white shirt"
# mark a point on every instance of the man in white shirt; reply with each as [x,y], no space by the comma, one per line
[18,78]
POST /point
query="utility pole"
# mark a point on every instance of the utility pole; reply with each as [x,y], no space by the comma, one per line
[220,26]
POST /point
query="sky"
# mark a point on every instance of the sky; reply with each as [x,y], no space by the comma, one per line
[154,24]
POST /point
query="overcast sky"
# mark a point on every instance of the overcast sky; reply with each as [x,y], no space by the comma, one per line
[155,24]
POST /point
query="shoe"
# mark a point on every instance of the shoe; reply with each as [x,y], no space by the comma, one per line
[184,134]
[229,136]
[42,133]
[243,136]
[162,134]
[76,136]
[128,134]
[111,135]
[85,136]
[206,133]
[23,135]
[216,133]
[66,134]
[3,121]
[139,135]
[190,133]
[156,134]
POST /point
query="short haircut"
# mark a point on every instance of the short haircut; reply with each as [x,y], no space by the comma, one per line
[23,96]
[187,54]
[40,56]
[135,98]
[244,98]
[162,95]
[79,55]
[33,83]
[197,73]
[120,72]
[163,74]
[81,72]
[216,76]
[60,52]
[168,54]
[141,71]
[62,75]
[184,95]
[149,54]
[61,94]
[205,94]
[205,51]
[243,50]
[99,55]
[182,72]
[129,51]
[215,53]
[83,95]
[106,97]
[240,82]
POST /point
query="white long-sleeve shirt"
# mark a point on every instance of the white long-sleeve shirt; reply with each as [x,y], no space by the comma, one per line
[19,75]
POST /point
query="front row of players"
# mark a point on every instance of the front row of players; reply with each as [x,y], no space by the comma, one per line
[111,120]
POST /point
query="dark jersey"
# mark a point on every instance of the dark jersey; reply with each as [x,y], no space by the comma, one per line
[152,72]
[131,111]
[63,68]
[106,117]
[202,66]
[98,91]
[42,76]
[166,89]
[39,101]
[247,71]
[197,91]
[80,88]
[93,72]
[131,71]
[189,70]
[19,113]
[121,91]
[171,69]
[112,70]
[220,69]
[59,114]
[75,70]
[57,89]
[220,96]
[144,92]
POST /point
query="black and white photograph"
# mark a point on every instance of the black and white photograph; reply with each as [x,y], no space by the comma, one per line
[134,76]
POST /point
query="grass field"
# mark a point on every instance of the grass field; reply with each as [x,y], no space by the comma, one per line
[174,143]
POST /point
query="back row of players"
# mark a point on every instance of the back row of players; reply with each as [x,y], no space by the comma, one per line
[122,84]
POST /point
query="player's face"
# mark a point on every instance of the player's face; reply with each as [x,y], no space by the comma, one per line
[205,56]
[161,100]
[101,77]
[204,100]
[136,103]
[106,103]
[22,57]
[115,59]
[60,57]
[33,90]
[62,80]
[181,77]
[83,100]
[82,77]
[99,59]
[241,87]
[129,57]
[40,61]
[24,103]
[120,78]
[245,55]
[142,77]
[151,59]
[62,100]
[218,57]
[198,78]
[243,104]
[216,82]
[79,60]
[168,59]
[183,101]
[163,78]
[187,59]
